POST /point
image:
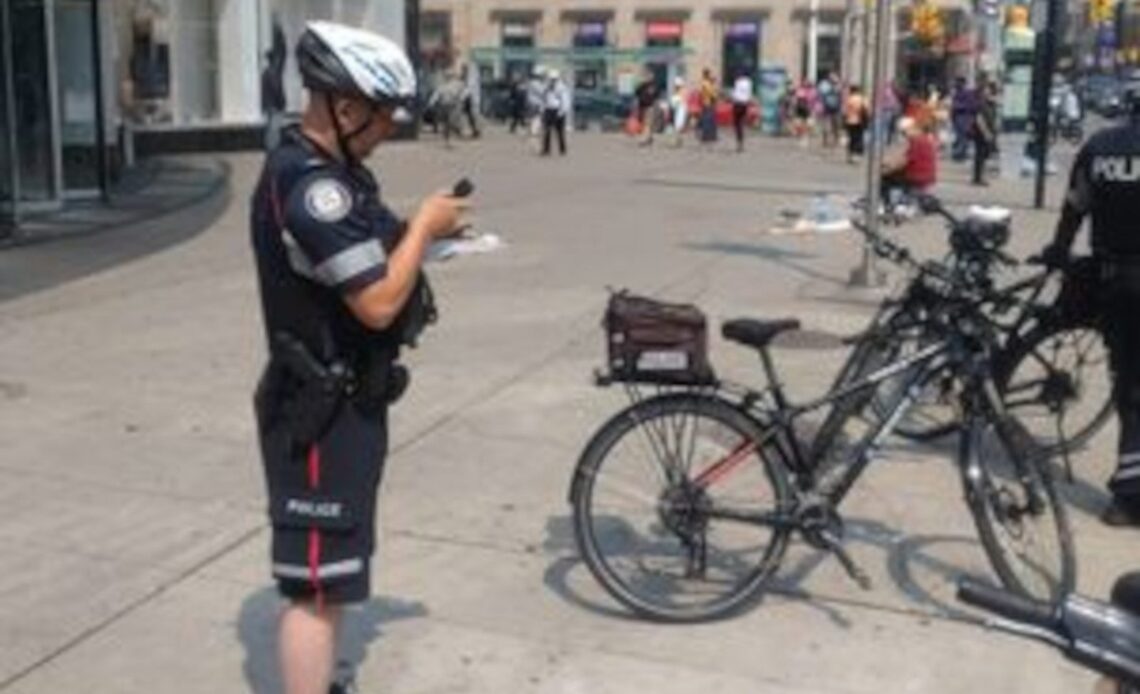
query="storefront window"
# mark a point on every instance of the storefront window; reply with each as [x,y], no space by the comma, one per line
[435,40]
[589,73]
[741,51]
[78,82]
[7,172]
[829,52]
[196,65]
[35,150]
[829,55]
[662,34]
[518,35]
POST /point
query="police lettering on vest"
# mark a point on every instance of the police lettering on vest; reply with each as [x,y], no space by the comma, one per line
[1107,169]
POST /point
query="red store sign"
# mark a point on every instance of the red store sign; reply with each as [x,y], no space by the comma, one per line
[664,30]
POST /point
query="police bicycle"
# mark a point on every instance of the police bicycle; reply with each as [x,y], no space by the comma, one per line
[1051,364]
[684,502]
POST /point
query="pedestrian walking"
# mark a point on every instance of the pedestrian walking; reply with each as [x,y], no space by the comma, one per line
[856,115]
[831,105]
[556,104]
[804,110]
[467,100]
[536,106]
[707,123]
[448,98]
[963,113]
[341,292]
[1104,186]
[648,95]
[273,87]
[741,100]
[679,110]
[985,133]
[887,120]
[518,103]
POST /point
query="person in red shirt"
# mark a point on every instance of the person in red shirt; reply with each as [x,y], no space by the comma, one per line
[913,168]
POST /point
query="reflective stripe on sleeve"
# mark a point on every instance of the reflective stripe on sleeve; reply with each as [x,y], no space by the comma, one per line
[351,262]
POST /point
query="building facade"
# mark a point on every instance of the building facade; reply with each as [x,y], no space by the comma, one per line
[80,80]
[609,40]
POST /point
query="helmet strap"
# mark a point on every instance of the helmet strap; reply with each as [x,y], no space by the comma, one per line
[342,138]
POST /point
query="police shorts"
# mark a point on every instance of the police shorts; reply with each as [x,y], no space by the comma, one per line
[322,507]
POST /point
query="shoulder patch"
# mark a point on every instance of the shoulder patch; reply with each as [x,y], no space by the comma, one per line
[328,200]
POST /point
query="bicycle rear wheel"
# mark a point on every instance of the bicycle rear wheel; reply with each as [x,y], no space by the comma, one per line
[668,502]
[1012,497]
[1057,381]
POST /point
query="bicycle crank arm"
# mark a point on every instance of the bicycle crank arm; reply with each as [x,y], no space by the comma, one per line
[858,575]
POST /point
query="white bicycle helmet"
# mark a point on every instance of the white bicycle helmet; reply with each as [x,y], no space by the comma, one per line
[338,59]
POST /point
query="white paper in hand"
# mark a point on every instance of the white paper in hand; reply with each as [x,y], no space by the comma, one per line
[445,249]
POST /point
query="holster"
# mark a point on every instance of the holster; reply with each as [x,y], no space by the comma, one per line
[299,394]
[381,381]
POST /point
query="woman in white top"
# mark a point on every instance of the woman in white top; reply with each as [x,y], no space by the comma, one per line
[741,98]
[679,105]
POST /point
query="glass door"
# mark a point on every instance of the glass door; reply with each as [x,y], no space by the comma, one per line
[34,114]
[77,65]
[7,136]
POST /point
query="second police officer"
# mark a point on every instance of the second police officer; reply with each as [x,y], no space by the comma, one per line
[341,291]
[1105,185]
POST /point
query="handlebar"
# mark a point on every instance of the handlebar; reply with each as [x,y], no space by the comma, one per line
[1008,605]
[1099,636]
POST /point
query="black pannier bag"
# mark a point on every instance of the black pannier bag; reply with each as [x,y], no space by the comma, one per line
[651,341]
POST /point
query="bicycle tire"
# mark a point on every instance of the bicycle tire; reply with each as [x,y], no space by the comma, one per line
[998,485]
[595,526]
[1033,346]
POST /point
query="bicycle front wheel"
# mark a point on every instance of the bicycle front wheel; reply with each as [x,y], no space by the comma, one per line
[1056,380]
[933,414]
[1021,523]
[678,505]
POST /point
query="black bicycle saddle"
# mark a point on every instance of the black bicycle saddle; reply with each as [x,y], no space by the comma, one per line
[756,333]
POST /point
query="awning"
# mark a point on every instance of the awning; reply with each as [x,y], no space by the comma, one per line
[582,54]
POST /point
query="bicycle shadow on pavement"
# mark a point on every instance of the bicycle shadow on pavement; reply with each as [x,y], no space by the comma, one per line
[1084,495]
[905,557]
[361,625]
[772,254]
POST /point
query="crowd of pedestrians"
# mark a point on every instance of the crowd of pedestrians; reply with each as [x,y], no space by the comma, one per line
[960,121]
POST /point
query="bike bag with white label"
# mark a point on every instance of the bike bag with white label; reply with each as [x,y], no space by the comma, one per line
[651,341]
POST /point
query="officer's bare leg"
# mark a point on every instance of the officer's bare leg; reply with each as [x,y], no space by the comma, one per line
[306,645]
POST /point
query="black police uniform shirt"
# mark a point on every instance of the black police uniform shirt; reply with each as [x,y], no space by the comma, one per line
[319,232]
[1105,184]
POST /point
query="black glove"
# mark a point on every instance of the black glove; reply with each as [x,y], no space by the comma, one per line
[1055,257]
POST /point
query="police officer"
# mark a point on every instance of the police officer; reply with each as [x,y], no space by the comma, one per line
[1105,184]
[339,275]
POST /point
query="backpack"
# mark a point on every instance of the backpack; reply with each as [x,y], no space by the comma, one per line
[831,99]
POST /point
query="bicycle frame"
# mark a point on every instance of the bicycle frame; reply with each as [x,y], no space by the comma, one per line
[780,421]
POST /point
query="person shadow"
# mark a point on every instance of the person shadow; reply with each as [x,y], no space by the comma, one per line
[361,625]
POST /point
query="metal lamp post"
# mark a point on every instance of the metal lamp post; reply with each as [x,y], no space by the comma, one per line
[866,274]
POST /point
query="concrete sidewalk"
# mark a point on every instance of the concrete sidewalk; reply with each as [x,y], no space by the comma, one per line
[162,202]
[136,547]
